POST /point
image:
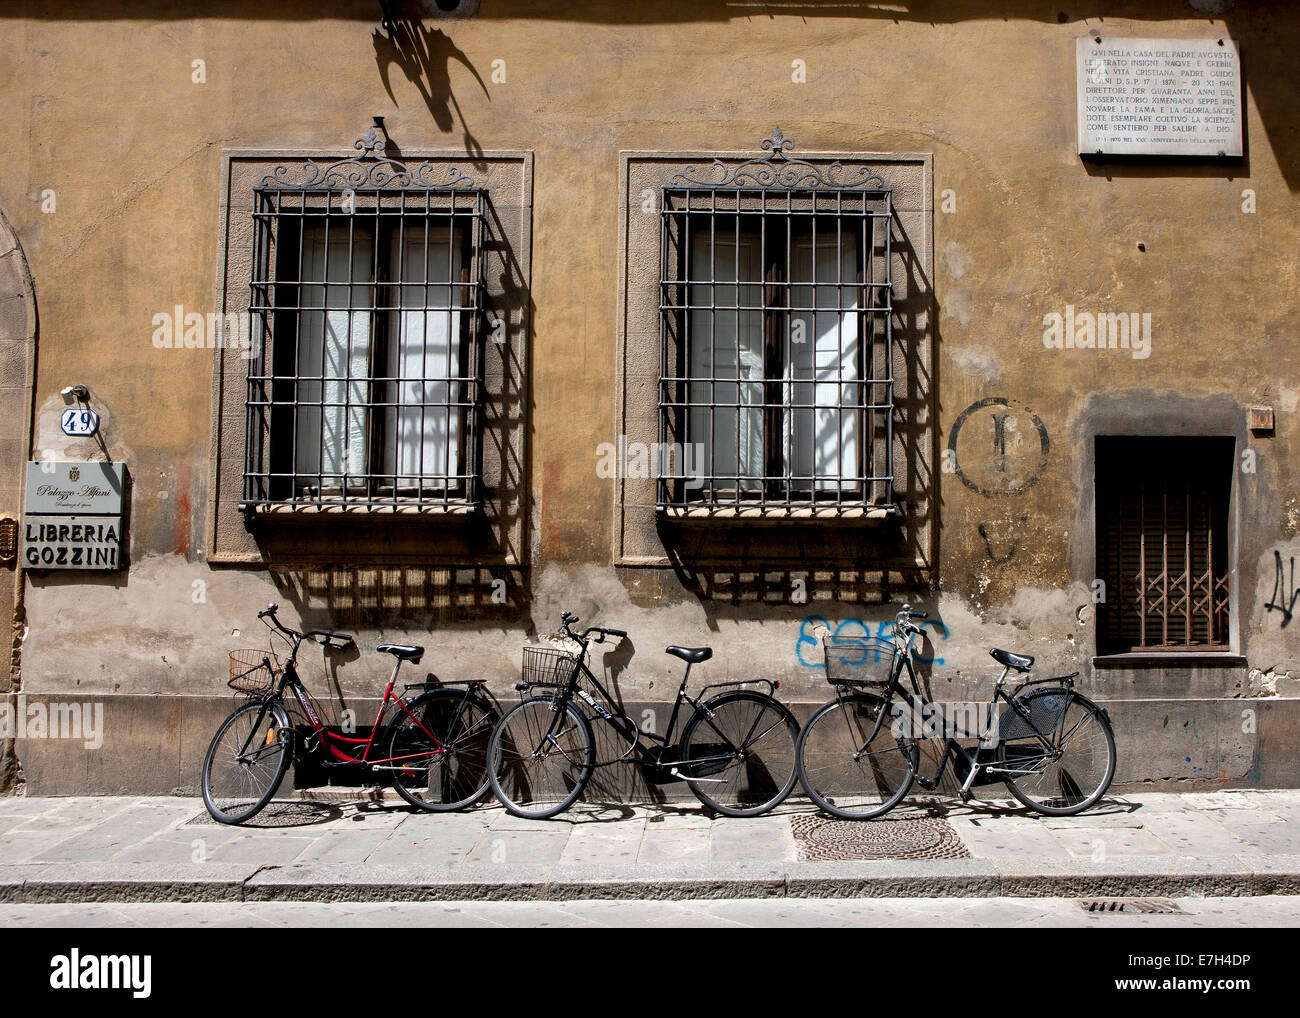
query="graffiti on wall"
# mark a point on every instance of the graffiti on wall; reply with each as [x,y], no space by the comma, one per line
[997,447]
[1283,585]
[808,648]
[1010,545]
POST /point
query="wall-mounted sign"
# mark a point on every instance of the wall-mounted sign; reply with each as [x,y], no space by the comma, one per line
[72,516]
[79,420]
[1162,97]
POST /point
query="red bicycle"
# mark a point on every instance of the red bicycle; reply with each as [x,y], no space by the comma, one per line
[433,748]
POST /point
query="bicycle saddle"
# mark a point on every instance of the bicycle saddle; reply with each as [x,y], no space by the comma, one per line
[691,655]
[412,654]
[1020,662]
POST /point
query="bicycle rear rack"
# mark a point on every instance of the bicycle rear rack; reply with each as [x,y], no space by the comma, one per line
[772,685]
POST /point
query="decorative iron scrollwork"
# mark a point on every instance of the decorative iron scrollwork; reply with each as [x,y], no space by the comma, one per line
[368,171]
[777,170]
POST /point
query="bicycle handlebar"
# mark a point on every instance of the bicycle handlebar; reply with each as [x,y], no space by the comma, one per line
[327,638]
[567,621]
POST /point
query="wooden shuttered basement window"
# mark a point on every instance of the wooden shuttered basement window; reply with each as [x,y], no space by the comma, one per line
[1162,543]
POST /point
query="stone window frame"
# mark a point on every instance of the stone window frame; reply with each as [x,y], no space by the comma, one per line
[495,534]
[643,174]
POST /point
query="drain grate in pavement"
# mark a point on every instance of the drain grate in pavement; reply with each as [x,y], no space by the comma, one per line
[822,839]
[1133,906]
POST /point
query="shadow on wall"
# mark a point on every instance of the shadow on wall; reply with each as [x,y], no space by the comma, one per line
[415,597]
[425,55]
[1267,33]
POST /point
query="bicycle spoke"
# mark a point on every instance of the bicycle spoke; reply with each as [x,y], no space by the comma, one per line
[539,761]
[244,764]
[441,748]
[744,754]
[852,763]
[1076,771]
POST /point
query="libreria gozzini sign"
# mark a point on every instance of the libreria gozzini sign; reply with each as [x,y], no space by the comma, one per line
[72,516]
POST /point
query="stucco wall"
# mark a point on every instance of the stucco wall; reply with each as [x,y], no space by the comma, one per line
[108,117]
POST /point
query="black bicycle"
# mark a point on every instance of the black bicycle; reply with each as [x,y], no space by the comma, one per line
[737,748]
[433,748]
[857,757]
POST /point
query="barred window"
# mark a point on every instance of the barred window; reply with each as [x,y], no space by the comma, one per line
[776,376]
[365,391]
[1162,543]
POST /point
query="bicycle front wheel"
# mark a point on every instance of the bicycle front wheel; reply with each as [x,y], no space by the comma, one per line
[852,763]
[1076,766]
[540,758]
[437,749]
[246,762]
[740,752]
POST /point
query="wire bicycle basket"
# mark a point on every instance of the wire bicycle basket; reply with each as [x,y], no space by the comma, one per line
[252,672]
[858,660]
[548,666]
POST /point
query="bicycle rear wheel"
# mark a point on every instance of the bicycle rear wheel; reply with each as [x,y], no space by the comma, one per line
[540,759]
[440,743]
[246,762]
[851,762]
[743,754]
[1078,767]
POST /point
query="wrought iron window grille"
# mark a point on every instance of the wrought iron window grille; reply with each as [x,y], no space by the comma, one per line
[776,394]
[365,387]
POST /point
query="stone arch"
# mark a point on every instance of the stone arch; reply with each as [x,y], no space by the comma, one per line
[18,326]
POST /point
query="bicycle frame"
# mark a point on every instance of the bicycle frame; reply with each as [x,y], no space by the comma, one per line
[919,702]
[339,746]
[335,743]
[626,727]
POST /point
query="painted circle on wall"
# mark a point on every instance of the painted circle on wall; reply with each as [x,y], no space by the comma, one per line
[998,446]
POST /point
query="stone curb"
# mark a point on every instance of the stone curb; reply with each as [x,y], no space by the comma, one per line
[1232,876]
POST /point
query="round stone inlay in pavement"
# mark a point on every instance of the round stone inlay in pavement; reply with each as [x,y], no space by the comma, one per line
[282,813]
[820,838]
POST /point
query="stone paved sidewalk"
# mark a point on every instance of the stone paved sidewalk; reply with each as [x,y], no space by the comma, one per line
[167,849]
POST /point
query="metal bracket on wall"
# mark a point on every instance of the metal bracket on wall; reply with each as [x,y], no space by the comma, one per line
[8,539]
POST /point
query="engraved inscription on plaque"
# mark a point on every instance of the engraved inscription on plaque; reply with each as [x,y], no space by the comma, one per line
[1171,97]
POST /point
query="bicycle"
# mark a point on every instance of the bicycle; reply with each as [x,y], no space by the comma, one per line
[857,755]
[736,752]
[434,747]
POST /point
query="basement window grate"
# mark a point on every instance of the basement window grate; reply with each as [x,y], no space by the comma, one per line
[1162,543]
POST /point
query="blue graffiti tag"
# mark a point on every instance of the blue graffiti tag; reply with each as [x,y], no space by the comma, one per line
[884,631]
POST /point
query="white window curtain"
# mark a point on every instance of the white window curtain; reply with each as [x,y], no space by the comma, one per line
[334,326]
[423,428]
[728,345]
[821,440]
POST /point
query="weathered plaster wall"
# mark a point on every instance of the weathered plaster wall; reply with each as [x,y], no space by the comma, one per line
[109,119]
